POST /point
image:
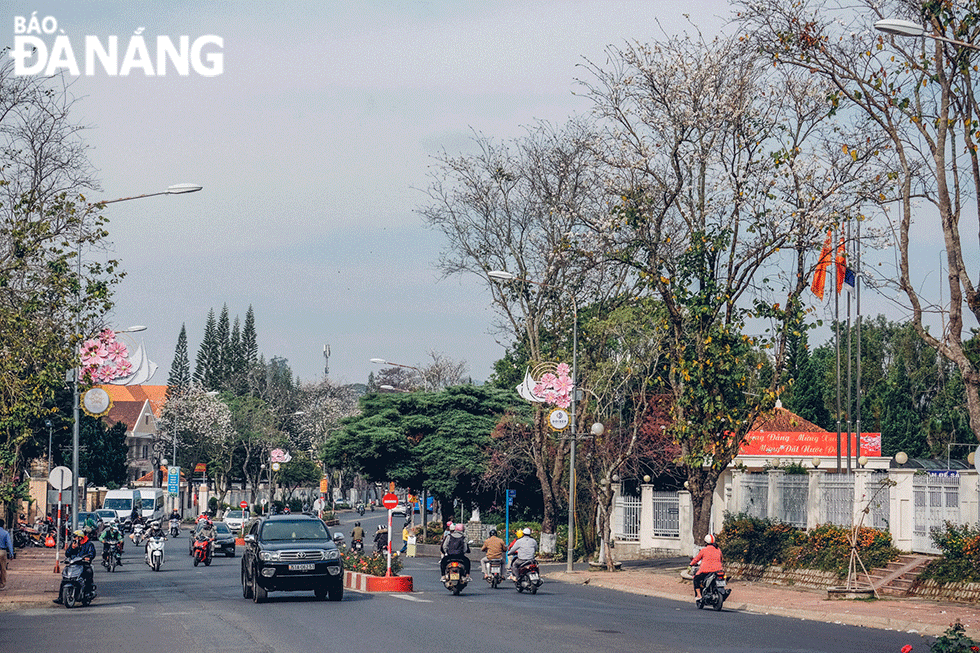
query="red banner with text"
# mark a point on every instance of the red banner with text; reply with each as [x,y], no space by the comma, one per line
[808,444]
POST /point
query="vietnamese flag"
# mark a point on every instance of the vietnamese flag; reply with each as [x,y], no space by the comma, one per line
[820,275]
[841,264]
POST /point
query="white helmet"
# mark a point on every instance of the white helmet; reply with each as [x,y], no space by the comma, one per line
[709,539]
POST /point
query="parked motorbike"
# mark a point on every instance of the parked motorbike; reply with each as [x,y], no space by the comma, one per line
[111,555]
[154,552]
[73,586]
[456,578]
[494,578]
[203,552]
[174,527]
[528,577]
[714,591]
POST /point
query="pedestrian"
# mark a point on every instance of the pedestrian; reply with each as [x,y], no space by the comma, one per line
[405,535]
[6,552]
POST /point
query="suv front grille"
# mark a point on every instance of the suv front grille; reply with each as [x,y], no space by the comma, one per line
[300,556]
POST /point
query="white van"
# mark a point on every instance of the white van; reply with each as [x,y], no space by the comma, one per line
[122,501]
[152,503]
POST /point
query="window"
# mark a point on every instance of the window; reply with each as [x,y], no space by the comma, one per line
[146,451]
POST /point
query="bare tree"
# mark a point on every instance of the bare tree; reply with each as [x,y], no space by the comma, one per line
[919,95]
[521,207]
[721,168]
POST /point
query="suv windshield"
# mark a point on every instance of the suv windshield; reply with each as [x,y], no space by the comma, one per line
[278,531]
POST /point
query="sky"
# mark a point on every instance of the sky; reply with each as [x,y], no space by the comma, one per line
[313,147]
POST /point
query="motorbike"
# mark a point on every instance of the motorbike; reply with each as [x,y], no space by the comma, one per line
[73,586]
[111,555]
[714,592]
[360,509]
[494,578]
[203,552]
[154,552]
[357,545]
[456,578]
[338,540]
[528,577]
[136,532]
[174,527]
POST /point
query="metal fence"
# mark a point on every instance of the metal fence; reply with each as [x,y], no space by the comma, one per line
[755,495]
[666,511]
[627,526]
[879,506]
[838,499]
[794,489]
[936,499]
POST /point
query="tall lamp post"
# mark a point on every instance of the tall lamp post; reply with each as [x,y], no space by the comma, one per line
[177,189]
[503,275]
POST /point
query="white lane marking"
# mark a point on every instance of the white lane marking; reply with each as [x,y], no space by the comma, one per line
[409,597]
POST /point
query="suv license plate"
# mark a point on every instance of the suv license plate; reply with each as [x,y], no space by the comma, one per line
[306,566]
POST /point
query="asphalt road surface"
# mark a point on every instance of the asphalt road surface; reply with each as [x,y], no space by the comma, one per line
[183,608]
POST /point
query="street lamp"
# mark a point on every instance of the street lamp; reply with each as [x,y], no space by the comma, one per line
[900,27]
[177,189]
[503,275]
[382,361]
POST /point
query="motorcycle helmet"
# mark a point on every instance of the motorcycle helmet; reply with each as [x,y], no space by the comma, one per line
[520,533]
[357,523]
[493,532]
[459,528]
[709,539]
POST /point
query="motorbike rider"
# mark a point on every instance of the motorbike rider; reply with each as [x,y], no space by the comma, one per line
[710,559]
[523,550]
[81,547]
[381,539]
[207,532]
[112,536]
[455,547]
[357,534]
[155,530]
[494,548]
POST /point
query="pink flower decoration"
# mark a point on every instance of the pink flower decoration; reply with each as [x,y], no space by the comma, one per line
[564,401]
[93,352]
[117,351]
[562,369]
[563,385]
[548,380]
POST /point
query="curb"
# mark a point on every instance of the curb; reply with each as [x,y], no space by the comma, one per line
[367,583]
[902,624]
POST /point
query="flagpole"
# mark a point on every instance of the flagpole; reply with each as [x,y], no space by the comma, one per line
[837,348]
[850,454]
[857,295]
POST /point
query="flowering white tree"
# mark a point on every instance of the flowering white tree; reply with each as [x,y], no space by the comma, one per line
[201,425]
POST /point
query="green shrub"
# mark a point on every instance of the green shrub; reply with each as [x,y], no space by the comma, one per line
[960,561]
[827,548]
[374,564]
[954,640]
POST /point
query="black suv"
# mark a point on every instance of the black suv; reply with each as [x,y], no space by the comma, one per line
[290,553]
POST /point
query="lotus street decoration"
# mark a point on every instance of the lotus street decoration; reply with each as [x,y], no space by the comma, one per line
[553,386]
[107,360]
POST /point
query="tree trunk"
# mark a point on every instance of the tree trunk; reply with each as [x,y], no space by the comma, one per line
[702,484]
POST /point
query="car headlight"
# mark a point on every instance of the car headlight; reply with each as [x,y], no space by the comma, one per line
[269,556]
[331,554]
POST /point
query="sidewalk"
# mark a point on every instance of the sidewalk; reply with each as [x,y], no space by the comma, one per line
[662,579]
[31,580]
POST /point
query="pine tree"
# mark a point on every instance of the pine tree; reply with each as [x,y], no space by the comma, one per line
[180,368]
[236,361]
[223,333]
[250,355]
[206,363]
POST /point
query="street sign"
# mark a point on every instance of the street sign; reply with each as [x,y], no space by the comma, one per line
[511,494]
[389,501]
[173,480]
[559,419]
[60,478]
[243,505]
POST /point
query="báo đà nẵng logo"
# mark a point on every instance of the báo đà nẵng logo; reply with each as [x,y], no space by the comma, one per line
[42,48]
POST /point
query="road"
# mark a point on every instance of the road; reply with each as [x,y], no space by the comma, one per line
[183,608]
